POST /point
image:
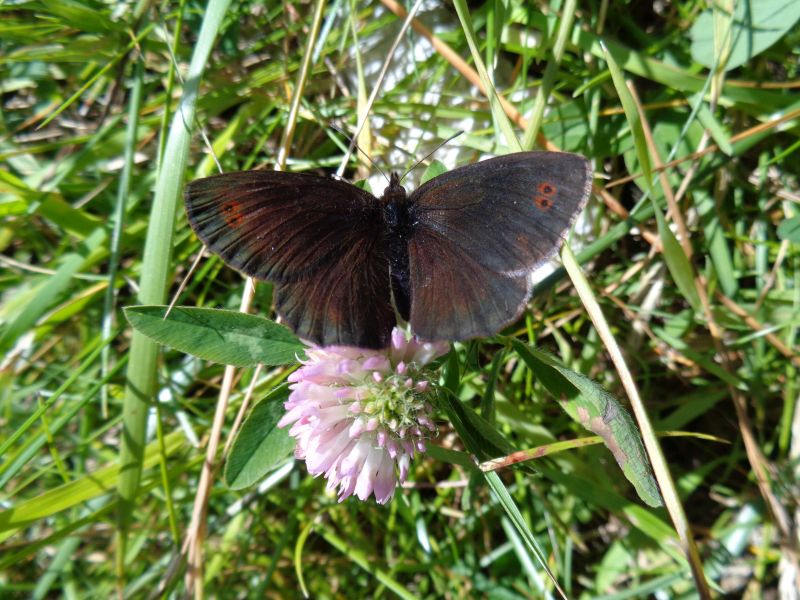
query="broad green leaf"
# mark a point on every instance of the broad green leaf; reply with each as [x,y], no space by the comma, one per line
[789,229]
[260,444]
[677,262]
[222,336]
[599,412]
[756,26]
[434,169]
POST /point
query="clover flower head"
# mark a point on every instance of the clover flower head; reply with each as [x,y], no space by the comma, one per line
[359,416]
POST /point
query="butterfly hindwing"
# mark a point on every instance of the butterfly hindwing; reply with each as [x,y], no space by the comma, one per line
[322,241]
[346,302]
[454,296]
[480,230]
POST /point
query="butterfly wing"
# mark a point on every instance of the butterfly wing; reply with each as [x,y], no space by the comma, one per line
[480,230]
[322,241]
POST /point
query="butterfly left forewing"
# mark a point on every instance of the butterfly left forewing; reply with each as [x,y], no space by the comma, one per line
[275,226]
[321,241]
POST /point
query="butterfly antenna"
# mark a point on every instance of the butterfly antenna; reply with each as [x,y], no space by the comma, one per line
[353,144]
[431,153]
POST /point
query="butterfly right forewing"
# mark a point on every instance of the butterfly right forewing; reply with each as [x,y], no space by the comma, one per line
[479,232]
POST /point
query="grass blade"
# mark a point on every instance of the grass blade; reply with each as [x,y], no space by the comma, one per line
[156,266]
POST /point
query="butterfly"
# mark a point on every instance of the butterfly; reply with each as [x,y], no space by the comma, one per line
[453,258]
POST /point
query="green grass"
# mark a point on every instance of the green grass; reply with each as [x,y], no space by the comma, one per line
[680,299]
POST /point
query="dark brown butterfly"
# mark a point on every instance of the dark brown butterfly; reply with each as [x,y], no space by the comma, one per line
[454,258]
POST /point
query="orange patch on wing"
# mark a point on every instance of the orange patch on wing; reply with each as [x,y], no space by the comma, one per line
[543,203]
[232,212]
[546,188]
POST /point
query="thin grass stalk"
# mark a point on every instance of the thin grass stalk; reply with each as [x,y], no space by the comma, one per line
[94,78]
[502,112]
[90,355]
[17,460]
[141,373]
[460,65]
[365,562]
[171,73]
[364,137]
[302,79]
[496,106]
[119,218]
[519,524]
[364,115]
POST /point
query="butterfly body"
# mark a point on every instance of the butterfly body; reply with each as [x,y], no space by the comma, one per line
[453,258]
[400,227]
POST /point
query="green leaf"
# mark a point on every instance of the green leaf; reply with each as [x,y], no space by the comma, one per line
[260,444]
[673,77]
[83,16]
[363,184]
[789,229]
[631,114]
[156,267]
[43,297]
[677,262]
[452,457]
[501,120]
[434,169]
[478,435]
[717,243]
[452,373]
[711,124]
[756,26]
[222,336]
[599,412]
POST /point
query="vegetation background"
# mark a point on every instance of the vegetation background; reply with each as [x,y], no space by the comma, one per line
[693,261]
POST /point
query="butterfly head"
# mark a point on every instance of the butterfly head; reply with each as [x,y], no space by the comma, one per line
[395,193]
